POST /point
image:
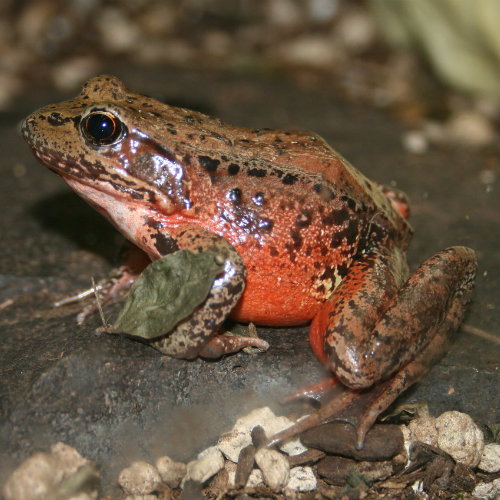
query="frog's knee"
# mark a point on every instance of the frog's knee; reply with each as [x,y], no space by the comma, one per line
[353,370]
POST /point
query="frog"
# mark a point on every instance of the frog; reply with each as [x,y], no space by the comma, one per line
[304,237]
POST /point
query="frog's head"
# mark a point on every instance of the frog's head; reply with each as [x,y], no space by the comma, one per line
[106,143]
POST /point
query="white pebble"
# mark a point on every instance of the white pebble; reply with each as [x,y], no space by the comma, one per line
[459,436]
[140,478]
[415,142]
[68,457]
[487,491]
[274,466]
[309,50]
[490,459]
[424,430]
[170,471]
[255,479]
[302,479]
[232,442]
[34,478]
[356,30]
[206,466]
[470,128]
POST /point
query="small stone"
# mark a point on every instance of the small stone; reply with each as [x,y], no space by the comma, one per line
[71,73]
[356,30]
[258,435]
[302,479]
[209,462]
[487,491]
[140,478]
[424,430]
[68,457]
[470,128]
[308,50]
[337,469]
[232,442]
[310,456]
[170,471]
[34,478]
[415,142]
[274,467]
[382,441]
[246,460]
[256,479]
[459,436]
[117,31]
[490,459]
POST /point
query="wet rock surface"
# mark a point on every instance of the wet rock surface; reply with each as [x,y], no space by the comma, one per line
[117,400]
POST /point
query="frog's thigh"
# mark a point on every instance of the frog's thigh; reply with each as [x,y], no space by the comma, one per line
[371,332]
[191,335]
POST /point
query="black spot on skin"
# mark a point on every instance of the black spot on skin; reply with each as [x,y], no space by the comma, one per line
[233,169]
[234,195]
[257,172]
[56,119]
[297,239]
[209,164]
[342,270]
[165,244]
[258,199]
[349,233]
[336,217]
[187,159]
[277,139]
[317,188]
[289,179]
[172,130]
[189,119]
[273,251]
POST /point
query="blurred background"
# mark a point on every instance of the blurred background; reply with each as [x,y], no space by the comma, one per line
[434,64]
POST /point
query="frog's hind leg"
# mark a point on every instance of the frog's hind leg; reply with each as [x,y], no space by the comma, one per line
[384,335]
[369,335]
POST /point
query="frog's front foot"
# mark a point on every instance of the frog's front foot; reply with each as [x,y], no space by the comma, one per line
[119,280]
[103,291]
[220,345]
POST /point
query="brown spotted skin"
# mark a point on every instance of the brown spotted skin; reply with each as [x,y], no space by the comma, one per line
[318,240]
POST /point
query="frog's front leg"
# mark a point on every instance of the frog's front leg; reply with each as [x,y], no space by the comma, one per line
[380,333]
[197,334]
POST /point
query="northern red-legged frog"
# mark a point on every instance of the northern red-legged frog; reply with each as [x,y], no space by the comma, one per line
[304,235]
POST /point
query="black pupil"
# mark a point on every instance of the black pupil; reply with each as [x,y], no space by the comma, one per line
[102,128]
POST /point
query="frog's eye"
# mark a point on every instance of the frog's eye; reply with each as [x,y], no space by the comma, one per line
[102,128]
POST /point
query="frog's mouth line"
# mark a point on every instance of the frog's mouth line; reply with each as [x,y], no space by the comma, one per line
[137,190]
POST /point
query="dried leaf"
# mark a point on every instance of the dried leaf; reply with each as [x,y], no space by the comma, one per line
[167,291]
